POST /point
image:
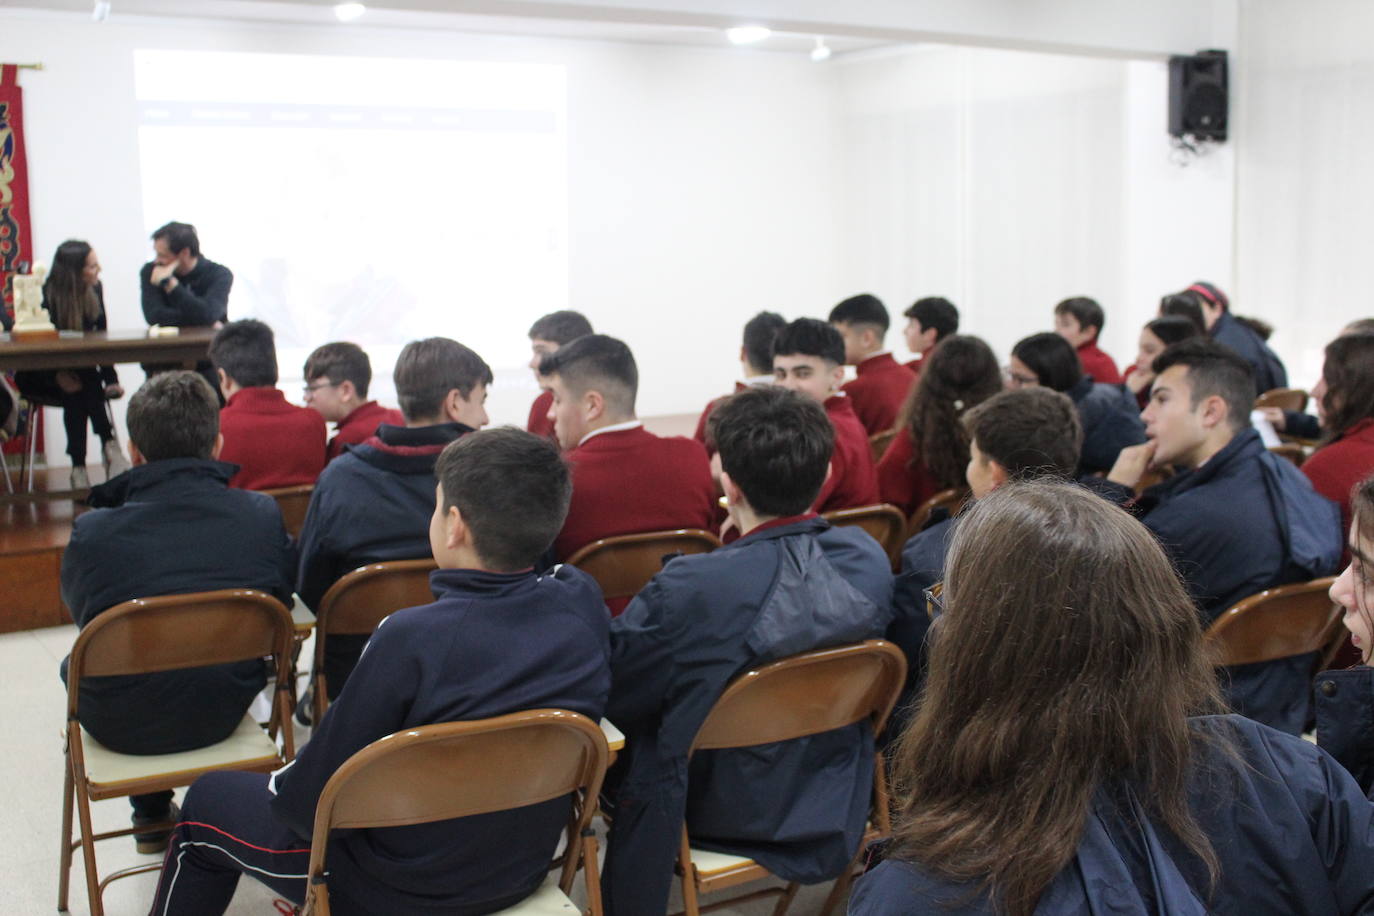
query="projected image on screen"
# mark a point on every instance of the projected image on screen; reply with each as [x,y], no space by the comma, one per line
[371,200]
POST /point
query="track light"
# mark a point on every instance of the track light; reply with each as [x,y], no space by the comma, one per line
[821,51]
[747,34]
[101,12]
[347,12]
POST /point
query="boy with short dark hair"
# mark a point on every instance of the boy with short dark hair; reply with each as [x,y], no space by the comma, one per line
[546,336]
[929,321]
[275,444]
[337,376]
[1079,320]
[499,638]
[373,502]
[626,480]
[808,357]
[755,359]
[791,583]
[169,525]
[881,383]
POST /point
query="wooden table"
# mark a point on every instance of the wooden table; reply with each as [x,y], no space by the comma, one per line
[76,350]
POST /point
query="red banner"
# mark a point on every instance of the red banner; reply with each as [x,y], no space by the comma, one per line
[16,246]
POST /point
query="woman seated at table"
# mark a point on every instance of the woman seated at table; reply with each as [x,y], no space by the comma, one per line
[72,296]
[1064,759]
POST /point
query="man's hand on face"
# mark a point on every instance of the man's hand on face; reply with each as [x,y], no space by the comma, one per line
[162,272]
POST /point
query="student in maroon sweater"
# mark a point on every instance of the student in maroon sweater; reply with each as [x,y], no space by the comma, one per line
[755,360]
[275,444]
[882,383]
[1345,406]
[929,321]
[626,480]
[808,356]
[546,336]
[1079,321]
[337,376]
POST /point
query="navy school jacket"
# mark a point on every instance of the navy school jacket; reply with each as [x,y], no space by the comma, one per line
[1245,521]
[1345,721]
[1111,421]
[1293,833]
[164,528]
[1268,368]
[491,644]
[798,808]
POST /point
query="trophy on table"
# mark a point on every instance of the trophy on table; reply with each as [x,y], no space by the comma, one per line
[30,319]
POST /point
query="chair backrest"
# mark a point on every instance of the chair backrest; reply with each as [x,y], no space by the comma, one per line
[1283,398]
[1276,623]
[358,601]
[623,565]
[190,630]
[878,443]
[951,500]
[292,501]
[806,694]
[457,769]
[885,523]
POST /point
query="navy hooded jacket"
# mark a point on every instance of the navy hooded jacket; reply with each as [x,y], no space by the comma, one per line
[1110,419]
[1269,370]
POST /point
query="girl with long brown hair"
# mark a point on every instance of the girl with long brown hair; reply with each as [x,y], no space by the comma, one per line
[73,298]
[1063,759]
[930,451]
[1345,406]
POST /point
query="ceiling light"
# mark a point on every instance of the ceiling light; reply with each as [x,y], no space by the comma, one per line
[101,11]
[347,12]
[821,51]
[747,34]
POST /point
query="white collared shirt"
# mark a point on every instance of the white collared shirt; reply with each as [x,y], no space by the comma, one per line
[613,428]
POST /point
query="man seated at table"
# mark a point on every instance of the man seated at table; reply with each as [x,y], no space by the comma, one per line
[791,583]
[337,376]
[498,639]
[373,502]
[808,357]
[169,525]
[183,289]
[275,444]
[626,480]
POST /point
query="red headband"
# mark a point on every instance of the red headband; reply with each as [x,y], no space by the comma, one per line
[1204,292]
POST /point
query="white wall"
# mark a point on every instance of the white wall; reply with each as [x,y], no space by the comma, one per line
[698,181]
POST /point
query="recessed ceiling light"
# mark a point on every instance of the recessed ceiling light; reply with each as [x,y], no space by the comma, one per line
[347,12]
[747,34]
[821,51]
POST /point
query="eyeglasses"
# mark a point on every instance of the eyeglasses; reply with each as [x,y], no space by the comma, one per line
[1019,381]
[935,600]
[311,389]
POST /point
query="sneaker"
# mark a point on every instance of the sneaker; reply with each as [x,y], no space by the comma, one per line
[80,480]
[115,462]
[156,842]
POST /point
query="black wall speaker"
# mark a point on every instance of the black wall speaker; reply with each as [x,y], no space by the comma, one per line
[1198,95]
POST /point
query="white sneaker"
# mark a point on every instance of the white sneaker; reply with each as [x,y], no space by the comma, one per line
[115,462]
[79,479]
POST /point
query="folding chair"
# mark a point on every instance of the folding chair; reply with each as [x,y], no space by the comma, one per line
[885,523]
[951,500]
[624,564]
[805,694]
[359,601]
[878,443]
[458,769]
[292,501]
[1276,623]
[1293,451]
[1283,398]
[149,635]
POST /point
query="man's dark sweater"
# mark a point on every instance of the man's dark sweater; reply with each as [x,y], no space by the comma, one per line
[199,299]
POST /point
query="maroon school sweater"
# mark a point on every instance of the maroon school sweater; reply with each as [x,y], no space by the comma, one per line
[275,444]
[361,425]
[539,422]
[853,481]
[1098,364]
[878,391]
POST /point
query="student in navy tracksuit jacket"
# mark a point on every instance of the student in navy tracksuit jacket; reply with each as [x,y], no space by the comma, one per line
[1075,772]
[499,638]
[789,584]
[1238,519]
[372,503]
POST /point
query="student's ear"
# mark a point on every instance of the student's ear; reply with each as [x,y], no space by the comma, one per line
[223,382]
[998,473]
[836,378]
[593,405]
[452,406]
[456,532]
[214,452]
[347,392]
[1213,411]
[733,494]
[135,456]
[871,338]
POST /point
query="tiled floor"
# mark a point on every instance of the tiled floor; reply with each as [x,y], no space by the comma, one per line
[31,777]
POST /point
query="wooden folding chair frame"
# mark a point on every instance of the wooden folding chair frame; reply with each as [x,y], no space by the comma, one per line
[884,522]
[150,635]
[358,601]
[1283,398]
[293,503]
[1313,632]
[474,767]
[787,699]
[953,499]
[624,564]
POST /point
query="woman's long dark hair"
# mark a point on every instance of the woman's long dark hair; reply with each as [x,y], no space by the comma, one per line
[70,301]
[1043,687]
[1349,375]
[959,375]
